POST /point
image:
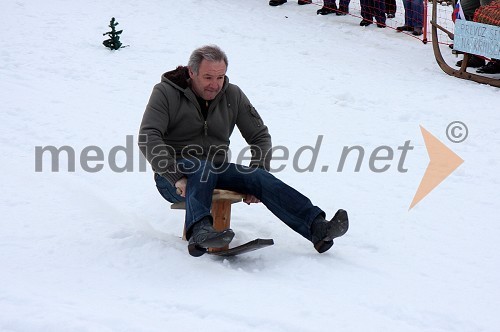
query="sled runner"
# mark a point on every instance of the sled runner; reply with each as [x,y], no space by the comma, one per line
[462,71]
[221,213]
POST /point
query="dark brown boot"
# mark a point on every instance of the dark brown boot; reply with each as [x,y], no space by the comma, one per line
[474,62]
[323,232]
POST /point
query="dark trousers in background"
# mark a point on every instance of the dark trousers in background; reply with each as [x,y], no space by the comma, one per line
[390,6]
[343,5]
[414,13]
[373,8]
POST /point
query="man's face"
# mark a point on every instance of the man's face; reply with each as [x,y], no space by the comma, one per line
[209,80]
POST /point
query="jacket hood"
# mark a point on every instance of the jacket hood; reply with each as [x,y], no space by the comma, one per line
[179,76]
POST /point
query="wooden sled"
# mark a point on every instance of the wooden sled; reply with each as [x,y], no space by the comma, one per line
[221,213]
[462,71]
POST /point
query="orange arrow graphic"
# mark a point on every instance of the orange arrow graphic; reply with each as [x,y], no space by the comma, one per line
[442,163]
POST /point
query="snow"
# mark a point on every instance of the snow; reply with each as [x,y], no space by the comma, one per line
[101,251]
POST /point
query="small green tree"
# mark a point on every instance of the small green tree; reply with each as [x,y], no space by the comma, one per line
[113,42]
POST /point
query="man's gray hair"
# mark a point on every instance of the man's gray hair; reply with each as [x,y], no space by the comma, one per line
[207,52]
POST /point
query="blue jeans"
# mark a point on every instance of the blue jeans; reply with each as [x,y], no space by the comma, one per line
[286,203]
[414,13]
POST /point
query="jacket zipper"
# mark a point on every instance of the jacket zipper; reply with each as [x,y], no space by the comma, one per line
[205,126]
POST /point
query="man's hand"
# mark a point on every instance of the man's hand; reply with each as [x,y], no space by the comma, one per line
[180,186]
[251,199]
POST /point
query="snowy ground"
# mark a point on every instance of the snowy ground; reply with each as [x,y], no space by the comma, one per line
[102,251]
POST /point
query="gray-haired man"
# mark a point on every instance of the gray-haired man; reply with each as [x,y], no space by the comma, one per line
[187,125]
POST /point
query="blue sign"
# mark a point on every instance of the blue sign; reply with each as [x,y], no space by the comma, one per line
[477,38]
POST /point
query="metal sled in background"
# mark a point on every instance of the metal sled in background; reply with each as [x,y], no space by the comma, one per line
[462,71]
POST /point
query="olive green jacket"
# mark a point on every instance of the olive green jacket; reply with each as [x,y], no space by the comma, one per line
[173,126]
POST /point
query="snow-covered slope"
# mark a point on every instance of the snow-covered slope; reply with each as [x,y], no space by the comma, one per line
[101,251]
